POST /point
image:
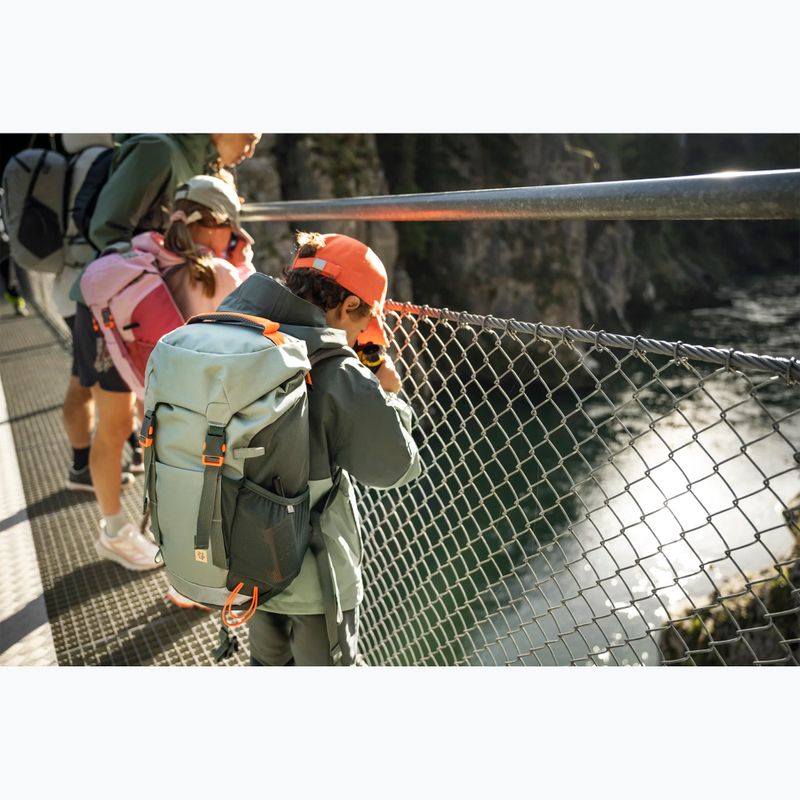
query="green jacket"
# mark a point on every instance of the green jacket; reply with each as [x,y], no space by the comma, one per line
[145,172]
[354,426]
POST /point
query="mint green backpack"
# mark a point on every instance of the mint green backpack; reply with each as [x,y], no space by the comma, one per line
[226,440]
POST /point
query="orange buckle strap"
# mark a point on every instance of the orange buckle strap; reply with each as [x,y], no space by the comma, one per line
[214,461]
[147,430]
[227,610]
[108,318]
[214,447]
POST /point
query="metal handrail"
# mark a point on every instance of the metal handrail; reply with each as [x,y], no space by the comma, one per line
[773,194]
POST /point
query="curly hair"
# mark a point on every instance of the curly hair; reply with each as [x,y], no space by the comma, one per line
[313,286]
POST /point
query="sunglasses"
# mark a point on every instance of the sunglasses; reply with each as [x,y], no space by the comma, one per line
[213,224]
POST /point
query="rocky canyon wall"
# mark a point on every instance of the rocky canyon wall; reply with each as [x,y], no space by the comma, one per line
[606,274]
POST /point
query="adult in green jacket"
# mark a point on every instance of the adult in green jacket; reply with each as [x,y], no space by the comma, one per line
[146,170]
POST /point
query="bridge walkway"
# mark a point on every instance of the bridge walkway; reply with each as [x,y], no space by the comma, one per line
[59,602]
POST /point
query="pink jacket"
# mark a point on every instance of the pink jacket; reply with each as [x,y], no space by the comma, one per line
[190,299]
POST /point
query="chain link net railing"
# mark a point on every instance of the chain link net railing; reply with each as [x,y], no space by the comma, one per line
[586,498]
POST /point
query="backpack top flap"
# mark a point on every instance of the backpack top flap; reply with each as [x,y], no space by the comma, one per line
[217,369]
[110,274]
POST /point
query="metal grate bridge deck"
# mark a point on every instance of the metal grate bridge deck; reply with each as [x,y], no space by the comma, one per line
[99,613]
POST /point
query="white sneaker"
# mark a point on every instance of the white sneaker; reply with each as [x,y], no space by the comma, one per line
[129,548]
[182,601]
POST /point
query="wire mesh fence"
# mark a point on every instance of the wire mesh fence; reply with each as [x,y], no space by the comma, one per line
[586,498]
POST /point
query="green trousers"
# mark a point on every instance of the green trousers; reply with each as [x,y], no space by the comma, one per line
[278,640]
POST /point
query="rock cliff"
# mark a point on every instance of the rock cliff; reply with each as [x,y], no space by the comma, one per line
[606,274]
[306,167]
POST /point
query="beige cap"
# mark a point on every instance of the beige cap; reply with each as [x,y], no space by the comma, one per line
[213,193]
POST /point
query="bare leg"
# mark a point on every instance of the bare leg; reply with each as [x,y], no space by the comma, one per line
[78,414]
[114,412]
[137,417]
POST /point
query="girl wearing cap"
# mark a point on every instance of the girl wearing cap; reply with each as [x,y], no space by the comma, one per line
[359,429]
[144,173]
[204,256]
[205,240]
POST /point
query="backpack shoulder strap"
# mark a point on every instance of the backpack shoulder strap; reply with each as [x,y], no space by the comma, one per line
[323,354]
[34,174]
[165,273]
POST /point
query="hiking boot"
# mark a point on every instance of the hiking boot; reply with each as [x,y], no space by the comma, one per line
[180,600]
[80,480]
[129,548]
[136,464]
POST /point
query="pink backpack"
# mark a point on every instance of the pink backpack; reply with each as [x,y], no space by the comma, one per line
[133,308]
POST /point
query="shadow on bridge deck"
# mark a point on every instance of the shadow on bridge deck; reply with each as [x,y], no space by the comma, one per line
[98,612]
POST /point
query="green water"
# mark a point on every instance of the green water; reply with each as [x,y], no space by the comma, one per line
[567,528]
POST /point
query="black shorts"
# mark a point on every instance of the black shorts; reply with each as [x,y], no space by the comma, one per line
[92,363]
